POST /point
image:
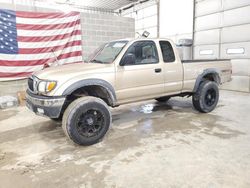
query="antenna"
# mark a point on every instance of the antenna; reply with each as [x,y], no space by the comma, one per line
[139,35]
[57,61]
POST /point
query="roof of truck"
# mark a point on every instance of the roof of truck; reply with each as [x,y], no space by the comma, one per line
[141,38]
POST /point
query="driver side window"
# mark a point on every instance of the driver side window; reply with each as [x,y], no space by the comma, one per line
[141,52]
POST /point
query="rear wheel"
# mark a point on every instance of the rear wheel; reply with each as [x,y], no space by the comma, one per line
[86,120]
[163,99]
[207,96]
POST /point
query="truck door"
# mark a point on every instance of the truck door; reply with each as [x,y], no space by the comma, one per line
[173,74]
[140,74]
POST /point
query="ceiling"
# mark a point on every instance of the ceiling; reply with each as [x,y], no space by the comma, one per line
[110,5]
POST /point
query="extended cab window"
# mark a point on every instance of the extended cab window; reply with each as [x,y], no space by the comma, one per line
[141,52]
[167,51]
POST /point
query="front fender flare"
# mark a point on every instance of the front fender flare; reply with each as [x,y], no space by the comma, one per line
[93,82]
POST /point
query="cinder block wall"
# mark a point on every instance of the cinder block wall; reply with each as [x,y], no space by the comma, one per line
[100,28]
[96,30]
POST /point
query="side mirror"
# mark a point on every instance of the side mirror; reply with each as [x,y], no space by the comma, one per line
[128,59]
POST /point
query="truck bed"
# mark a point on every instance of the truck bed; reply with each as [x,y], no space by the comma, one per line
[194,68]
[203,60]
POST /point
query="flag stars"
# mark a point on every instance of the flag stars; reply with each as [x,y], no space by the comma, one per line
[8,32]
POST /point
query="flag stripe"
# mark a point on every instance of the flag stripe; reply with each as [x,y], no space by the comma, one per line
[40,33]
[48,26]
[15,75]
[50,49]
[48,38]
[45,21]
[21,68]
[48,44]
[11,57]
[29,60]
[27,68]
[19,63]
[71,54]
[37,15]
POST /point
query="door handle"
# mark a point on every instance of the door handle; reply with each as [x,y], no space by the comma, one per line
[158,70]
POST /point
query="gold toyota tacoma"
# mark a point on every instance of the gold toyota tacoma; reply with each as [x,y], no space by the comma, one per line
[120,72]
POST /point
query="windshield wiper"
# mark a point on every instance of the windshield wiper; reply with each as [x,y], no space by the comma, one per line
[96,61]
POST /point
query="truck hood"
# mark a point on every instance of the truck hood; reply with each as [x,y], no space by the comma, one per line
[66,72]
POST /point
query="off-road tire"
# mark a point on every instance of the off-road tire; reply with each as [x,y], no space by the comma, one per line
[81,111]
[206,97]
[163,99]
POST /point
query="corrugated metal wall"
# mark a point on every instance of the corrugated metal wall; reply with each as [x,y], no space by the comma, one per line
[222,30]
[145,16]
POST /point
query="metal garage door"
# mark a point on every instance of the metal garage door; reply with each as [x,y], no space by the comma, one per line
[222,30]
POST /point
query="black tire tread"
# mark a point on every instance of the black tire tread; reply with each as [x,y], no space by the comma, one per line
[75,104]
[197,96]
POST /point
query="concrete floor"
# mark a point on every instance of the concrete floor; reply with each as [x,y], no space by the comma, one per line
[149,145]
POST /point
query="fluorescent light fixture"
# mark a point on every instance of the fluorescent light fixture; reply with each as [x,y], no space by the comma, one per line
[235,51]
[145,34]
[206,52]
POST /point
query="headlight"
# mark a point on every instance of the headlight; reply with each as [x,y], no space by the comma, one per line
[46,86]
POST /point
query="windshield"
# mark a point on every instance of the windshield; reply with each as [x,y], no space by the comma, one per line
[107,52]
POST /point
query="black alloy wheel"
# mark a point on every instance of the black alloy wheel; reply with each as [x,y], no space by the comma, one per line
[90,123]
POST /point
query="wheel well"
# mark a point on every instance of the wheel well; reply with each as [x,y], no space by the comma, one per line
[212,77]
[93,90]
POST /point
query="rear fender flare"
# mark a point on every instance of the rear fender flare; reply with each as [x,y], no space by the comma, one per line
[200,78]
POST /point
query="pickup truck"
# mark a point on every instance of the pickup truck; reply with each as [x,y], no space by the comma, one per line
[120,72]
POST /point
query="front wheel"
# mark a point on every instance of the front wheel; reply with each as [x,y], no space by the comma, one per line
[86,120]
[207,96]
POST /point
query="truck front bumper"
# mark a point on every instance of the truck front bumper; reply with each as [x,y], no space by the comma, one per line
[45,105]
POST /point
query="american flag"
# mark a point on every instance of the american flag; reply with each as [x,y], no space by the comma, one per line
[28,40]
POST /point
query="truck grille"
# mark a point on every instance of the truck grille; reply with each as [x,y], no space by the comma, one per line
[30,84]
